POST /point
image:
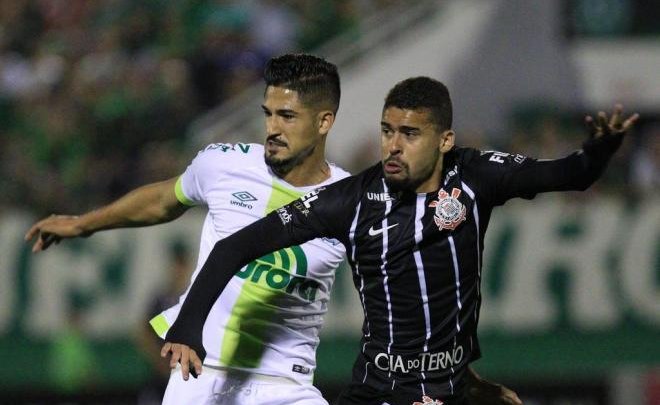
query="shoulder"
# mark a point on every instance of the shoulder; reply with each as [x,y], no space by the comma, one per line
[238,151]
[337,173]
[227,156]
[471,158]
[465,156]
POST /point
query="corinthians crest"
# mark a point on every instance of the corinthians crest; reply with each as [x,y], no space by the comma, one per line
[449,211]
[427,400]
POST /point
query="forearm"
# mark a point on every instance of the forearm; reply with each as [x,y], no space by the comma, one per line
[227,257]
[576,172]
[148,205]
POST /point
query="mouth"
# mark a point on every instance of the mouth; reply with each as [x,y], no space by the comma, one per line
[273,144]
[392,167]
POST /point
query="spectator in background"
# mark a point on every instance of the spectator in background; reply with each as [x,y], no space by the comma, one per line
[128,74]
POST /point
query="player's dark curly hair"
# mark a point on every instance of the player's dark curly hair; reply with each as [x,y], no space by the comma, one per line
[423,92]
[315,79]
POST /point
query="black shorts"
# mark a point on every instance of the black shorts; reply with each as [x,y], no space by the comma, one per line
[360,394]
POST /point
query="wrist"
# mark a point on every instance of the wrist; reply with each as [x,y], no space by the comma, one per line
[602,146]
[85,225]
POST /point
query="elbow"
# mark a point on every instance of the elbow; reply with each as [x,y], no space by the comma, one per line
[585,182]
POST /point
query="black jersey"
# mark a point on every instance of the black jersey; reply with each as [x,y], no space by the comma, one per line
[415,258]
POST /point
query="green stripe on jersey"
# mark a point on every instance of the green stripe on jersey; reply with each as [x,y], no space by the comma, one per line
[267,282]
[159,325]
[178,190]
[281,196]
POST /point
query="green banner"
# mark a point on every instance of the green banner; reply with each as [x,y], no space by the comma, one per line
[569,287]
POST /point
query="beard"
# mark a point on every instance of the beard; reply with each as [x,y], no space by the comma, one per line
[409,183]
[282,167]
[406,184]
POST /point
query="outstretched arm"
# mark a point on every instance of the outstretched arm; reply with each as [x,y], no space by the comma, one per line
[148,205]
[517,176]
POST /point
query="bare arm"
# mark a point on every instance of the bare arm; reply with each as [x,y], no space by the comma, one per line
[152,204]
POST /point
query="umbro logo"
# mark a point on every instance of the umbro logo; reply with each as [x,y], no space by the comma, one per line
[376,232]
[243,198]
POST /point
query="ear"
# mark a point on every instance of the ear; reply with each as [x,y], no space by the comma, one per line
[325,120]
[446,141]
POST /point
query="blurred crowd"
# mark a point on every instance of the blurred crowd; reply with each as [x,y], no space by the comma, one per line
[96,96]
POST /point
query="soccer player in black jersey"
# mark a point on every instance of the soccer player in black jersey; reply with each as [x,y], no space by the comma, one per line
[413,226]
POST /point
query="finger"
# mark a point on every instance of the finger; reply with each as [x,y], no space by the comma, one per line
[197,363]
[32,231]
[591,126]
[627,124]
[38,245]
[166,349]
[615,119]
[515,400]
[602,123]
[512,398]
[176,355]
[185,363]
[48,239]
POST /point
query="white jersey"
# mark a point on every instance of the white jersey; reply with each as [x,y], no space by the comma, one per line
[268,318]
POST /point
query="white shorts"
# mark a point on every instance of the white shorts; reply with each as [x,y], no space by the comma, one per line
[233,387]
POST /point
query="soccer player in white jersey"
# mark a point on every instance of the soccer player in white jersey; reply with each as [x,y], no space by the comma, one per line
[262,333]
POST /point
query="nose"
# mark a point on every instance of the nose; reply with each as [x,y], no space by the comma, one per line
[272,126]
[394,144]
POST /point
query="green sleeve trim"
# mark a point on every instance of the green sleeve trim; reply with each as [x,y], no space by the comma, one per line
[178,190]
[159,325]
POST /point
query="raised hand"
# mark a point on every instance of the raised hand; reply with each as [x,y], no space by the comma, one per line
[617,124]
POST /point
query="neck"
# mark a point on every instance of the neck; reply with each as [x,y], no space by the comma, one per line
[432,183]
[312,171]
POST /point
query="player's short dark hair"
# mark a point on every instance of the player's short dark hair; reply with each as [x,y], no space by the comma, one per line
[423,92]
[314,79]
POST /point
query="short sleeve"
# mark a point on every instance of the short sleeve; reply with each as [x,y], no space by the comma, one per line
[207,167]
[182,195]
